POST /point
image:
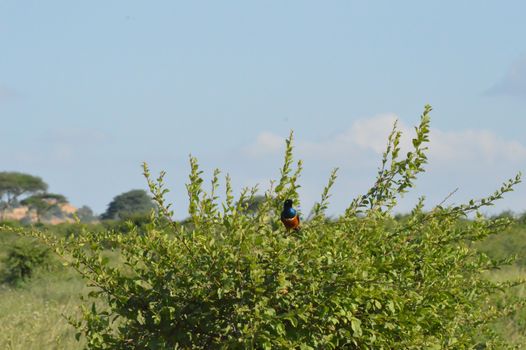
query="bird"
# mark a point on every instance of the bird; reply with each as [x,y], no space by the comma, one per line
[289,216]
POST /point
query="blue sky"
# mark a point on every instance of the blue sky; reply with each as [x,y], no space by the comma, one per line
[89,90]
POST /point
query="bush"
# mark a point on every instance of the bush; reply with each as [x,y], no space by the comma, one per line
[238,279]
[23,258]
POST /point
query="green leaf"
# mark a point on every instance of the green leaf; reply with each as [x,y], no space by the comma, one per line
[356,327]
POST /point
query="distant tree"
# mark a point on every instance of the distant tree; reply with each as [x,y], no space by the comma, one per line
[44,203]
[52,198]
[85,214]
[253,204]
[128,204]
[506,214]
[15,184]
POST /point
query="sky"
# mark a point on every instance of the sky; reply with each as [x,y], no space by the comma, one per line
[90,90]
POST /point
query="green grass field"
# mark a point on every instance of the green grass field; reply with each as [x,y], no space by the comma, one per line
[32,312]
[512,328]
[511,242]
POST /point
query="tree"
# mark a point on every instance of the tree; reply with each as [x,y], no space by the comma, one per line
[44,203]
[85,214]
[134,202]
[252,204]
[15,184]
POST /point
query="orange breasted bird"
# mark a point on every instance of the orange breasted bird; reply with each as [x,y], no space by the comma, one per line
[289,216]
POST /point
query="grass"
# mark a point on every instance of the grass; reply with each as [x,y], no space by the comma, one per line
[512,328]
[31,314]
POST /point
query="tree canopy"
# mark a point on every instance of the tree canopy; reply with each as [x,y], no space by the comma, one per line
[85,214]
[44,202]
[129,203]
[15,184]
[52,198]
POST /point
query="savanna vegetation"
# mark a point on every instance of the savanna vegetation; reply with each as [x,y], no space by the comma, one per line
[232,277]
[25,191]
[15,184]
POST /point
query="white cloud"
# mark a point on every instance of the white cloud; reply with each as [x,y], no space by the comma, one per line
[266,143]
[364,135]
[474,146]
[370,135]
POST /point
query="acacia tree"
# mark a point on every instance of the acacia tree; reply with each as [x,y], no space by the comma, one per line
[44,203]
[15,184]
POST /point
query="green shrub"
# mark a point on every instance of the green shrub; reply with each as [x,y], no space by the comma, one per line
[232,278]
[22,259]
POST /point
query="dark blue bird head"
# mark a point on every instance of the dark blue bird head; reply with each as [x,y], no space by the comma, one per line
[288,211]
